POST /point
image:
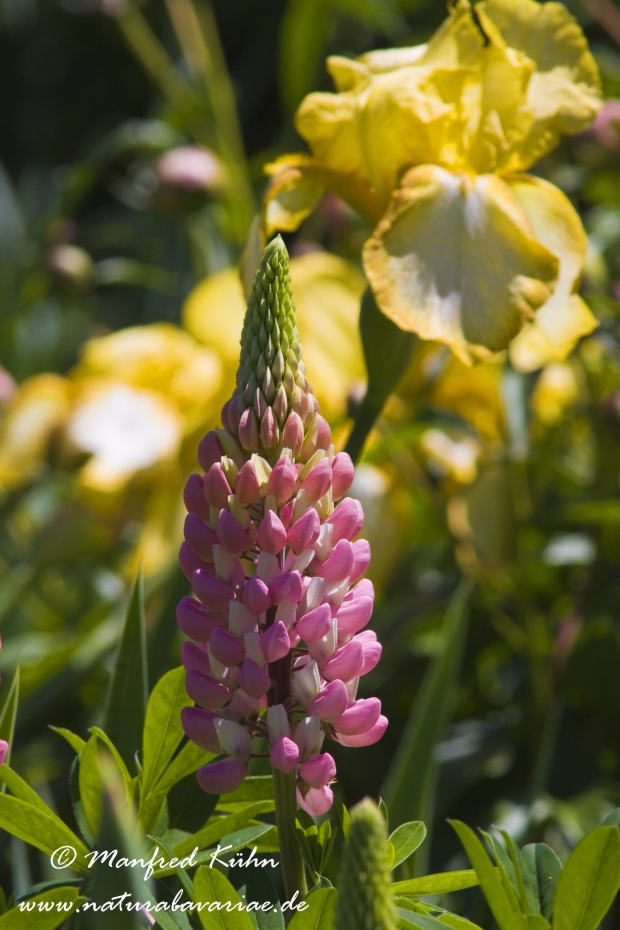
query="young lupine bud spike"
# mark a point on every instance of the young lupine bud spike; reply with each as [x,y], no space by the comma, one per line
[267,391]
[365,899]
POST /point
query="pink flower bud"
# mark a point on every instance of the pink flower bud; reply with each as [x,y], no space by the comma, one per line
[248,431]
[316,801]
[372,650]
[253,679]
[339,564]
[361,554]
[318,481]
[271,533]
[346,662]
[304,533]
[256,596]
[4,750]
[284,755]
[205,690]
[226,648]
[293,434]
[198,725]
[234,739]
[354,615]
[343,473]
[231,534]
[309,736]
[269,431]
[363,588]
[199,537]
[213,593]
[190,563]
[217,488]
[189,167]
[209,450]
[282,479]
[195,621]
[241,705]
[275,643]
[319,770]
[222,777]
[331,702]
[194,497]
[315,624]
[369,737]
[319,437]
[246,485]
[278,723]
[359,717]
[306,682]
[287,585]
[346,519]
[194,656]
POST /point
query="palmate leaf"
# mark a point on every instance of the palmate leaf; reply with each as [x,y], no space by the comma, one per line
[544,869]
[589,881]
[213,832]
[128,690]
[441,883]
[406,839]
[162,727]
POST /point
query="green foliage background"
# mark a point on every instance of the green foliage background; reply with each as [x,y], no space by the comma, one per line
[532,737]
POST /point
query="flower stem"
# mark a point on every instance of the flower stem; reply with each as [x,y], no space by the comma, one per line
[290,853]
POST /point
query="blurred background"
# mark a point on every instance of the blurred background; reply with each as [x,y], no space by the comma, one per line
[131,166]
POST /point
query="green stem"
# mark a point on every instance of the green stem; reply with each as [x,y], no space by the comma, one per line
[290,853]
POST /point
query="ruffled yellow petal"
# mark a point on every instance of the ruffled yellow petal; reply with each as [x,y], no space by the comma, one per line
[455,259]
[291,196]
[564,93]
[564,318]
[327,294]
[556,389]
[328,123]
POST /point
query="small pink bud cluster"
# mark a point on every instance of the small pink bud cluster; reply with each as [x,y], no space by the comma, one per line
[278,622]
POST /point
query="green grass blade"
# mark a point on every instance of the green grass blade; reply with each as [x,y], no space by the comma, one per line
[128,691]
[409,779]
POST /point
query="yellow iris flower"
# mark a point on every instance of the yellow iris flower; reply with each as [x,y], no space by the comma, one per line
[430,144]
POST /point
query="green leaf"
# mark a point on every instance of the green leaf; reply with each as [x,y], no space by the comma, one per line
[495,892]
[544,869]
[612,819]
[421,921]
[343,816]
[76,742]
[406,839]
[211,887]
[105,739]
[8,714]
[259,889]
[408,790]
[128,691]
[254,788]
[387,352]
[319,915]
[21,789]
[162,727]
[44,912]
[304,33]
[442,883]
[457,923]
[40,828]
[589,881]
[91,787]
[216,829]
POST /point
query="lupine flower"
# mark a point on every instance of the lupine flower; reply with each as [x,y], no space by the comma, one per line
[429,144]
[279,620]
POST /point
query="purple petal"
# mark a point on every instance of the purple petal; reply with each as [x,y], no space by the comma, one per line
[319,770]
[285,755]
[331,702]
[346,663]
[369,737]
[195,621]
[226,648]
[198,725]
[194,497]
[222,777]
[359,717]
[256,596]
[213,593]
[205,690]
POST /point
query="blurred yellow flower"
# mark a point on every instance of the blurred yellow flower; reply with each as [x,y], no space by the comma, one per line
[455,457]
[327,295]
[36,410]
[429,143]
[557,389]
